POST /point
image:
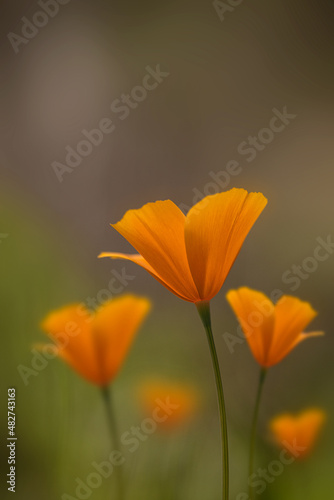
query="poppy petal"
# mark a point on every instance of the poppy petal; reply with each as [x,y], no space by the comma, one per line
[215,230]
[113,328]
[138,259]
[292,315]
[255,312]
[301,337]
[69,327]
[156,231]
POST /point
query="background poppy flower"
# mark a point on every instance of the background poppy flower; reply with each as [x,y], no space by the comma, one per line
[184,400]
[298,432]
[272,331]
[95,345]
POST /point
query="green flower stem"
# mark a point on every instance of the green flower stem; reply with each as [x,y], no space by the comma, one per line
[106,395]
[204,312]
[262,377]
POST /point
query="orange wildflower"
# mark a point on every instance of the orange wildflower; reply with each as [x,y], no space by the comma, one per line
[181,400]
[95,345]
[190,255]
[272,331]
[299,432]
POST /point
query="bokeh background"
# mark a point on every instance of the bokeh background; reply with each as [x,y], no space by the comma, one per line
[225,78]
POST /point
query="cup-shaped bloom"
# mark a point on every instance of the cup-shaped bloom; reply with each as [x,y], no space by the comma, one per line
[168,403]
[298,433]
[96,344]
[190,255]
[272,331]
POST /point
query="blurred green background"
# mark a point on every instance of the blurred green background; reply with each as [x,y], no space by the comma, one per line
[225,78]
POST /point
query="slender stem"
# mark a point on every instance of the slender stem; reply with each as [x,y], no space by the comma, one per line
[106,395]
[262,377]
[204,312]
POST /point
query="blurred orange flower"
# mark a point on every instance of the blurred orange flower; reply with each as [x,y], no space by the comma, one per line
[190,255]
[95,345]
[298,434]
[180,400]
[272,331]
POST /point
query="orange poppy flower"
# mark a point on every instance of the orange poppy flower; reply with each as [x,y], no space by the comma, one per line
[272,331]
[190,255]
[298,434]
[174,404]
[95,345]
